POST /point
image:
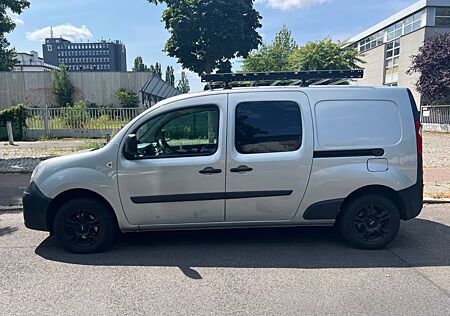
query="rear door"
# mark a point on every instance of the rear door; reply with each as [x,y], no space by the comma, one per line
[269,155]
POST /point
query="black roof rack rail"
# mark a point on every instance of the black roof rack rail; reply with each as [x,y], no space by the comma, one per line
[228,78]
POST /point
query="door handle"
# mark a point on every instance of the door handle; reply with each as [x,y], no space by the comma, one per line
[242,168]
[210,170]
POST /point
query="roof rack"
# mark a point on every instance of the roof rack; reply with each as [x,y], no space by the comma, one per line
[299,77]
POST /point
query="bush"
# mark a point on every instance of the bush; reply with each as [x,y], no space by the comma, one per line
[62,87]
[75,116]
[17,115]
[127,98]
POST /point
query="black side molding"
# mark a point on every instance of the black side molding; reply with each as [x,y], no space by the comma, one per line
[323,210]
[371,152]
[207,196]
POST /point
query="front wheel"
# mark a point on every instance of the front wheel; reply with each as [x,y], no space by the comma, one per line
[369,222]
[84,226]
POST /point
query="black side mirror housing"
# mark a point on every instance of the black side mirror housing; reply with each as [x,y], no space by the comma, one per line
[131,148]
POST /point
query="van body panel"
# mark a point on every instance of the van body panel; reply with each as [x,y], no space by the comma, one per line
[145,179]
[273,171]
[334,160]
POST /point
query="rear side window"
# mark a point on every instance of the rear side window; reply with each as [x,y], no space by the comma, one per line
[267,127]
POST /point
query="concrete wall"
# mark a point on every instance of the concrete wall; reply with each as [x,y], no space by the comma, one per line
[409,46]
[373,67]
[33,88]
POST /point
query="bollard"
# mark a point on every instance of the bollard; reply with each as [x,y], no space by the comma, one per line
[10,132]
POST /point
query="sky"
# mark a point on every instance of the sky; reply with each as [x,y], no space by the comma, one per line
[138,24]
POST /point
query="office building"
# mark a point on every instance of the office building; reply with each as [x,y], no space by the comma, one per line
[98,56]
[388,46]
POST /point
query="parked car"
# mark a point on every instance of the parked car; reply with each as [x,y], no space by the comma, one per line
[232,158]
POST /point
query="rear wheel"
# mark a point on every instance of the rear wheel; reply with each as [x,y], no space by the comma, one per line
[369,222]
[84,226]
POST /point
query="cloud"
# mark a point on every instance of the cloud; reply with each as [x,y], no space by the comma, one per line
[15,18]
[291,4]
[67,31]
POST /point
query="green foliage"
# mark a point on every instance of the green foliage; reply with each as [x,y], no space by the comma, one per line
[62,87]
[207,34]
[283,54]
[17,115]
[156,70]
[324,55]
[127,98]
[7,55]
[139,64]
[433,64]
[75,116]
[170,76]
[183,83]
[273,56]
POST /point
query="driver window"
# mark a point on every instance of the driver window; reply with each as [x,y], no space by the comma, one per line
[181,133]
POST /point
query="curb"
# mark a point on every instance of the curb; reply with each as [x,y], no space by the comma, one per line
[429,200]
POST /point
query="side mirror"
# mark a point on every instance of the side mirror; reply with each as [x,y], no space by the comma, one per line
[131,148]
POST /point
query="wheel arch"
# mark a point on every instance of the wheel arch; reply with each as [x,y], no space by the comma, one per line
[377,189]
[71,194]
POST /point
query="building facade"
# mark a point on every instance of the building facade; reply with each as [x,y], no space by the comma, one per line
[100,56]
[388,46]
[32,62]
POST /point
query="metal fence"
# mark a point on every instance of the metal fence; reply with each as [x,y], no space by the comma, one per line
[77,122]
[435,118]
[436,114]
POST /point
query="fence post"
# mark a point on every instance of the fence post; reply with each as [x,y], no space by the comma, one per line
[46,129]
[10,132]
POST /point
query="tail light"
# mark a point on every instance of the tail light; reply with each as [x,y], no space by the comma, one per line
[419,137]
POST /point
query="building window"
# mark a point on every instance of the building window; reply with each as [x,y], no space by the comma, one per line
[392,61]
[442,16]
[394,31]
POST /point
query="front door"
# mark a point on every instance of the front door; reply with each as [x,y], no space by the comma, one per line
[178,176]
[269,155]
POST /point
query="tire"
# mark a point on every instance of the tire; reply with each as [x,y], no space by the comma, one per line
[84,225]
[369,222]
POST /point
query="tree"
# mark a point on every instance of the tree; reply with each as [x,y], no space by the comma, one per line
[139,64]
[170,75]
[207,34]
[433,64]
[273,56]
[62,87]
[183,83]
[324,55]
[127,98]
[7,55]
[158,70]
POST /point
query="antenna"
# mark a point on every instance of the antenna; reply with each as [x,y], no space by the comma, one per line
[51,31]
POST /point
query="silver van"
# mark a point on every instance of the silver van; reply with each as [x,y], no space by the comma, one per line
[232,158]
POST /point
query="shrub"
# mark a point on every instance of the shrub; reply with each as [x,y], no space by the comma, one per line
[127,98]
[62,87]
[75,116]
[17,115]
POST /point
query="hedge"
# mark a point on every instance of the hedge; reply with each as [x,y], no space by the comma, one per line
[17,115]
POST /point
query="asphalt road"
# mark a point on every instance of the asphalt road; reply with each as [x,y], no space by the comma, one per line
[260,272]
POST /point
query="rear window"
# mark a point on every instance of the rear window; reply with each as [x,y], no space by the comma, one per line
[357,123]
[267,127]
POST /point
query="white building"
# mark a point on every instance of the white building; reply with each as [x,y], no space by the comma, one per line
[32,62]
[388,46]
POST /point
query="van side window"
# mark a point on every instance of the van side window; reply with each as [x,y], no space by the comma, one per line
[181,133]
[268,126]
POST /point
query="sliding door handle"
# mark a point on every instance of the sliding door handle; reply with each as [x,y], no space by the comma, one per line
[241,168]
[210,170]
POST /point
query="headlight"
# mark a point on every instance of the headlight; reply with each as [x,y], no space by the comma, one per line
[38,170]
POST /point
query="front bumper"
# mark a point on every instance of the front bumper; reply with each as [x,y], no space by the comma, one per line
[35,208]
